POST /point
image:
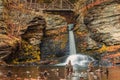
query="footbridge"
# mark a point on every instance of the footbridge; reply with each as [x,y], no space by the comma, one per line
[35,5]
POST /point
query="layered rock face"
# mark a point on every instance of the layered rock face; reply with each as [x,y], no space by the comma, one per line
[31,39]
[3,26]
[35,31]
[49,34]
[54,42]
[4,48]
[98,24]
[104,23]
[8,44]
[54,21]
[1,8]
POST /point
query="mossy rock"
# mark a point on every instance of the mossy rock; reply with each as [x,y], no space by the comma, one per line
[27,54]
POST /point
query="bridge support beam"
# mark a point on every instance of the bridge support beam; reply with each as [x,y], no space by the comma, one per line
[61,4]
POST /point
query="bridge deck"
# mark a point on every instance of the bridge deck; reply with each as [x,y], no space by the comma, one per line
[58,10]
[56,5]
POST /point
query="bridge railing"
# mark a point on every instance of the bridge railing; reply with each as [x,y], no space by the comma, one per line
[35,6]
[60,5]
[39,7]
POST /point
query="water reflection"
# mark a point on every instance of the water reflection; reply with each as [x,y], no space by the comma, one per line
[38,73]
[31,72]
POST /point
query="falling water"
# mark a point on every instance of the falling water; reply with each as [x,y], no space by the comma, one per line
[77,60]
[72,47]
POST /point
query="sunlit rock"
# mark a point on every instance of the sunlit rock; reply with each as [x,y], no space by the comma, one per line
[104,23]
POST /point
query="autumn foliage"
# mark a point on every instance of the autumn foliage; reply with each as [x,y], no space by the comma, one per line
[113,48]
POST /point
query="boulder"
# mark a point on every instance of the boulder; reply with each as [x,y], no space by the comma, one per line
[8,46]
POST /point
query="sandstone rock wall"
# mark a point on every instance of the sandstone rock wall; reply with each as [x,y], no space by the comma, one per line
[48,33]
[8,44]
[3,26]
[1,8]
[35,31]
[54,21]
[98,24]
[103,22]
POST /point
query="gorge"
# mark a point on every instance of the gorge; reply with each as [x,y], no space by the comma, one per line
[46,36]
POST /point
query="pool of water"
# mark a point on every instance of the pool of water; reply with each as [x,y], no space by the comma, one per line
[33,72]
[30,72]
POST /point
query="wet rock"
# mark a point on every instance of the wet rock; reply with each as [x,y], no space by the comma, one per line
[55,44]
[56,36]
[9,74]
[48,62]
[28,72]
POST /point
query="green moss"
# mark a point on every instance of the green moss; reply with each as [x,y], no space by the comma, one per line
[28,53]
[102,49]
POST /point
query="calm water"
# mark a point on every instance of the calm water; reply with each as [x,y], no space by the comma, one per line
[23,72]
[32,72]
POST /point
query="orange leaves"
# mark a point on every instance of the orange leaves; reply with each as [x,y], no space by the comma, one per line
[113,48]
[92,4]
[58,34]
[14,16]
[57,38]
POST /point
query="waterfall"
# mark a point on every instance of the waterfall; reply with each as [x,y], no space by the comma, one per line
[72,47]
[77,60]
